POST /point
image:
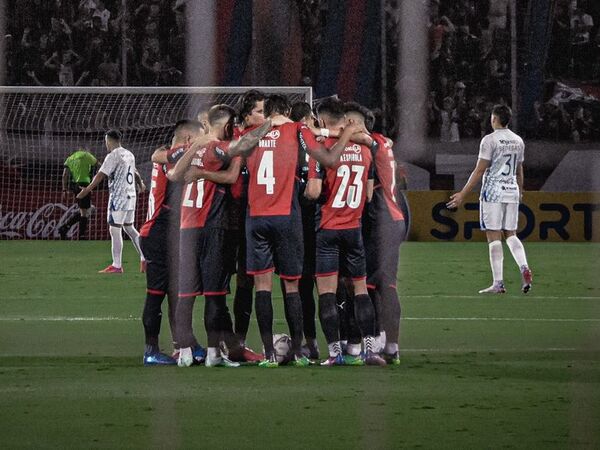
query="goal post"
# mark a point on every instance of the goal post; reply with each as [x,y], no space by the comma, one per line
[41,126]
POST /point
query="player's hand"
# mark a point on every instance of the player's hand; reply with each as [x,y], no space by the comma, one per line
[142,187]
[82,193]
[192,175]
[279,120]
[455,200]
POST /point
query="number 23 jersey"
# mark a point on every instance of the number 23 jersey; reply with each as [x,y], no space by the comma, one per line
[119,167]
[505,151]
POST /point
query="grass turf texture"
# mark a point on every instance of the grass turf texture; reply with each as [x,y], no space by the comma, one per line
[479,372]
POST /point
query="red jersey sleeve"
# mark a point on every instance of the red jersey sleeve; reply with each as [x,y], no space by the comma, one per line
[308,141]
[315,171]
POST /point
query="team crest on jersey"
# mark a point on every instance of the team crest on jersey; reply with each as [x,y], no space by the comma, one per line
[354,148]
[273,134]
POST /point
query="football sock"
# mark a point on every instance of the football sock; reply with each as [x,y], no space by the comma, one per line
[391,348]
[335,348]
[328,316]
[72,220]
[116,239]
[83,224]
[264,317]
[306,287]
[213,318]
[183,318]
[369,343]
[151,317]
[343,305]
[151,349]
[242,310]
[391,313]
[172,304]
[135,239]
[518,251]
[496,259]
[213,352]
[293,316]
[365,314]
[378,305]
[353,334]
[353,349]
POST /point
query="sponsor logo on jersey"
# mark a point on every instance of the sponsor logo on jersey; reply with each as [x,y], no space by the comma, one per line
[356,148]
[274,134]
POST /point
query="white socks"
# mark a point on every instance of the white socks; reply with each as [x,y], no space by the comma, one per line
[116,239]
[496,259]
[517,250]
[135,239]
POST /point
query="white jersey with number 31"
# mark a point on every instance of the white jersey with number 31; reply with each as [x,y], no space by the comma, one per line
[505,150]
[119,167]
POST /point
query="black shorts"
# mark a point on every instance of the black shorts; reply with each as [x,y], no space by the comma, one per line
[85,202]
[274,242]
[382,246]
[341,251]
[161,248]
[203,268]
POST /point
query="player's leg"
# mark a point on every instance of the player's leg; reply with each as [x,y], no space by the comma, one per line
[511,220]
[327,267]
[306,289]
[349,331]
[259,264]
[133,234]
[491,223]
[84,213]
[289,252]
[115,223]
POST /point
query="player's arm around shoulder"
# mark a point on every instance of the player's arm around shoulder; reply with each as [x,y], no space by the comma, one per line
[314,184]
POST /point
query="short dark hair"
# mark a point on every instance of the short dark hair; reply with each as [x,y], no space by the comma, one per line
[247,102]
[219,112]
[277,104]
[299,111]
[115,135]
[370,121]
[503,113]
[333,107]
[188,124]
[353,107]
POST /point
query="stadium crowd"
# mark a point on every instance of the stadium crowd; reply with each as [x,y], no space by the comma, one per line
[84,43]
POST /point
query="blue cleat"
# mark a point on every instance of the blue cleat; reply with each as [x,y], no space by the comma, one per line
[158,359]
[199,354]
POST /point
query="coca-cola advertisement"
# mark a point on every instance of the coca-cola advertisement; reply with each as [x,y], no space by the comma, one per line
[38,214]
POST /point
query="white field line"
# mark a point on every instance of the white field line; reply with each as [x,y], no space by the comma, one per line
[497,296]
[423,319]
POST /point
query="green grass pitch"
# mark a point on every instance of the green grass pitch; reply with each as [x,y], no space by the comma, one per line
[509,371]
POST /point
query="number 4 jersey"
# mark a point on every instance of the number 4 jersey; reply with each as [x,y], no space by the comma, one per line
[504,150]
[344,187]
[119,167]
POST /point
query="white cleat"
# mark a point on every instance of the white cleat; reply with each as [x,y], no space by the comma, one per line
[527,278]
[220,361]
[496,288]
[186,358]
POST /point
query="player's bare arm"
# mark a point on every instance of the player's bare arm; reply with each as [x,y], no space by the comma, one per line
[370,189]
[328,158]
[139,183]
[100,176]
[313,188]
[520,178]
[160,155]
[177,173]
[248,141]
[227,176]
[474,179]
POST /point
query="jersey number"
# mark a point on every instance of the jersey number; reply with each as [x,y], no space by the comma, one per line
[349,195]
[129,176]
[510,166]
[265,172]
[187,198]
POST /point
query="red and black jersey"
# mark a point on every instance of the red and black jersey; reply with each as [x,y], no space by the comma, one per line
[203,202]
[163,193]
[384,195]
[273,168]
[344,187]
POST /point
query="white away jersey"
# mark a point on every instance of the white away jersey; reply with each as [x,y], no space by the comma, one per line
[505,150]
[119,166]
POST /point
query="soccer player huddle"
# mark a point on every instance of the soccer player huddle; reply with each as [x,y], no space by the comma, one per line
[272,188]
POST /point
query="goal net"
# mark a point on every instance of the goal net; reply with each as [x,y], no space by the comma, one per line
[41,127]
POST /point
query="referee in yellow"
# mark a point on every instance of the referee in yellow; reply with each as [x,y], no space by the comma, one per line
[77,174]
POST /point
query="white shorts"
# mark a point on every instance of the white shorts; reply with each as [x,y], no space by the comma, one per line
[121,217]
[498,216]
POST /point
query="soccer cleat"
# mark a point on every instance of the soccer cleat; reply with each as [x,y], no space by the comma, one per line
[142,266]
[62,231]
[199,354]
[310,351]
[374,359]
[527,278]
[351,360]
[337,360]
[393,359]
[158,359]
[269,363]
[111,269]
[299,361]
[186,359]
[245,354]
[496,288]
[220,361]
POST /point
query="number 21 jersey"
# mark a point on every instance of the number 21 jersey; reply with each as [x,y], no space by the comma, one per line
[504,150]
